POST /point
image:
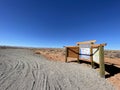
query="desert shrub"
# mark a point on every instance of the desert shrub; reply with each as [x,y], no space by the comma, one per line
[112,53]
[3,47]
[117,55]
[37,52]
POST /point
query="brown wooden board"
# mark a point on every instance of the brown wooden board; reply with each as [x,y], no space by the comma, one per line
[87,42]
[73,52]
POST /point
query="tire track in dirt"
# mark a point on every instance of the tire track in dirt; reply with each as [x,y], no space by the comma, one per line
[20,69]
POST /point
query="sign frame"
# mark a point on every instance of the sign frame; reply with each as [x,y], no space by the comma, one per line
[73,51]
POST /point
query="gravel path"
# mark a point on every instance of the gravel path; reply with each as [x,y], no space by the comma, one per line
[21,69]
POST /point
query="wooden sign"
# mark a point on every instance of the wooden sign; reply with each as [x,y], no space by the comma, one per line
[88,50]
[73,52]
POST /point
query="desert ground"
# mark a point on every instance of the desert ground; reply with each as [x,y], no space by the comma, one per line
[45,69]
[112,62]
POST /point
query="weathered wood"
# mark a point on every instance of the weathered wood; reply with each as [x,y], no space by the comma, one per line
[98,45]
[71,46]
[91,57]
[66,54]
[73,52]
[78,55]
[86,42]
[102,65]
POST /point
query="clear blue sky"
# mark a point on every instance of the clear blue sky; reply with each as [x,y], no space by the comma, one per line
[57,23]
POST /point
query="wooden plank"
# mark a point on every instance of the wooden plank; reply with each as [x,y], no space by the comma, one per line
[71,46]
[86,42]
[78,60]
[78,54]
[98,45]
[91,57]
[102,65]
[66,54]
[73,52]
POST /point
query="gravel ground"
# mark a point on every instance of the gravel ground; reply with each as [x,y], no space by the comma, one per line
[21,69]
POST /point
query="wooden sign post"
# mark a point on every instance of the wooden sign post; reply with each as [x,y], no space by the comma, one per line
[88,46]
[66,54]
[100,57]
[91,57]
[94,51]
[102,65]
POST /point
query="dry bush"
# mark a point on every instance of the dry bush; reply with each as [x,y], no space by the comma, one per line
[57,54]
[112,53]
[37,52]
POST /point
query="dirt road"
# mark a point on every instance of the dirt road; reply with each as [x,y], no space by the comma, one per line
[21,69]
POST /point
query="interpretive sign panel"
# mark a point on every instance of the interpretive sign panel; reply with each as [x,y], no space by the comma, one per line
[85,53]
[96,55]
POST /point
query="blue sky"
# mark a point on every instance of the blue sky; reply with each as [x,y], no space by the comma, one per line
[58,23]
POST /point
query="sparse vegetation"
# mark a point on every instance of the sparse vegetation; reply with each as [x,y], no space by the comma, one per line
[57,54]
[112,53]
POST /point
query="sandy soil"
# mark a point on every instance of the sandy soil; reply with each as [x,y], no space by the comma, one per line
[112,63]
[21,69]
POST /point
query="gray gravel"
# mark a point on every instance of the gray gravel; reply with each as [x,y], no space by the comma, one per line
[21,69]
